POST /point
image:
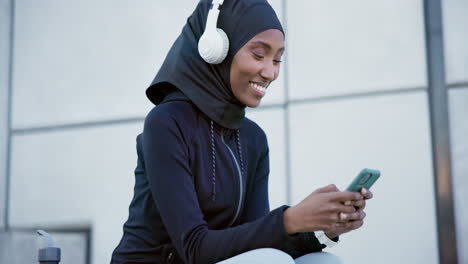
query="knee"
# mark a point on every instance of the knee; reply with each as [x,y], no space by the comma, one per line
[319,257]
[259,256]
[275,256]
[329,258]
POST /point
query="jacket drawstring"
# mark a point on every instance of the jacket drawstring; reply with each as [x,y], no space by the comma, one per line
[213,158]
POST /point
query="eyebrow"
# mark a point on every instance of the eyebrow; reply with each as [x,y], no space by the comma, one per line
[266,45]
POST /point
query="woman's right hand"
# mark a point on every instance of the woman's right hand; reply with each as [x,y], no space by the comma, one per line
[323,209]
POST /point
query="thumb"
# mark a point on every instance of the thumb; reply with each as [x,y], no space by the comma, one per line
[326,189]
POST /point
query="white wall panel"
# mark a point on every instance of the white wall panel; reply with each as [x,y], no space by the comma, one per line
[332,141]
[89,60]
[455,21]
[276,91]
[278,7]
[73,178]
[340,47]
[4,97]
[458,99]
[98,57]
[272,122]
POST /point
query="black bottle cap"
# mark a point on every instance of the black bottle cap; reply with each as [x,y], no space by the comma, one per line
[49,254]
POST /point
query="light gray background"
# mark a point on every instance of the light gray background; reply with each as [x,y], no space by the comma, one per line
[355,95]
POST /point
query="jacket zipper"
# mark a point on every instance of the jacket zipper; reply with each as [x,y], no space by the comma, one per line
[241,190]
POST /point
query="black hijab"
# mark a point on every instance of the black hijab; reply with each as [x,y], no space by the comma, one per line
[208,86]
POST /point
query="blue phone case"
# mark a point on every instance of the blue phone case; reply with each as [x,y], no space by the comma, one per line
[365,179]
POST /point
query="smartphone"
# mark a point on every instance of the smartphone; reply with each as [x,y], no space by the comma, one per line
[365,179]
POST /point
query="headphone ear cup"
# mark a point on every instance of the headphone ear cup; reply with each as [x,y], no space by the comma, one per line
[213,46]
[224,47]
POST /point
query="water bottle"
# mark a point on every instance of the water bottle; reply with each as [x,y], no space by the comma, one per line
[49,254]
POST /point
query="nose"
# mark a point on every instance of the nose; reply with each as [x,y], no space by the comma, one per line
[269,72]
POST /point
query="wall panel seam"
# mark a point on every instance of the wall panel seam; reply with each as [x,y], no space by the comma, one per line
[285,106]
[9,114]
[286,114]
[356,95]
[76,126]
[458,85]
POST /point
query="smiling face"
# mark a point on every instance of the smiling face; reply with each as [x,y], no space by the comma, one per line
[256,65]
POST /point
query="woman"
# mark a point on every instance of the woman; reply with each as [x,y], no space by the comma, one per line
[201,188]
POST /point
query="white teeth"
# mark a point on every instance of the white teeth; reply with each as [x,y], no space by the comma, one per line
[258,87]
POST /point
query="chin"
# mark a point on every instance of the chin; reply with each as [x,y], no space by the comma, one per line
[253,103]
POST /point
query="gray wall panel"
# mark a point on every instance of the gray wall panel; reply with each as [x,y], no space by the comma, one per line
[77,177]
[80,61]
[97,57]
[272,123]
[458,99]
[331,141]
[275,92]
[4,97]
[456,40]
[340,47]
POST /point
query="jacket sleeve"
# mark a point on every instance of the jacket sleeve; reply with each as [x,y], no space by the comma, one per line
[167,167]
[257,206]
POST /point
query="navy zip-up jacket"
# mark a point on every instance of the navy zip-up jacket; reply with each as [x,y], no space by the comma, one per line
[173,217]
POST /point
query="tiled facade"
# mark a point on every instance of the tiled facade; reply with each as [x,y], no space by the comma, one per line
[352,94]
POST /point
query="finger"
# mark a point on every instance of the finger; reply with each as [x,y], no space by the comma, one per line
[356,224]
[351,225]
[343,209]
[345,196]
[345,217]
[367,193]
[338,225]
[326,189]
[360,205]
[338,207]
[355,216]
[334,217]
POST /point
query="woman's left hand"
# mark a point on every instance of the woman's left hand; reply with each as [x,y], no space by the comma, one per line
[351,221]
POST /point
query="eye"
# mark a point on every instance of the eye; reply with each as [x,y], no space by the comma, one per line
[257,56]
[277,61]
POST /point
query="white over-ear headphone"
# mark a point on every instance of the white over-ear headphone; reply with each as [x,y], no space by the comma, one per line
[213,45]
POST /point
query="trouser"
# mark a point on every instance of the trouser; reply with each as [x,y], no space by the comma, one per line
[275,256]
